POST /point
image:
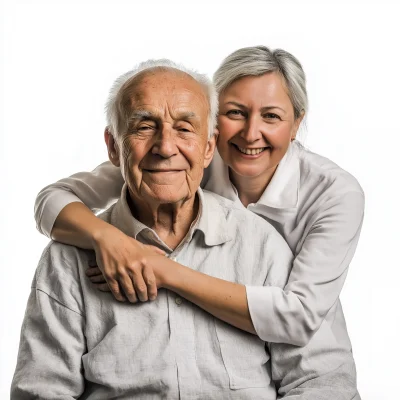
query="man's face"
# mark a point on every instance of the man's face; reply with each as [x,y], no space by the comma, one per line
[166,148]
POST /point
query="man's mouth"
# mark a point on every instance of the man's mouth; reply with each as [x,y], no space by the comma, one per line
[154,171]
[251,151]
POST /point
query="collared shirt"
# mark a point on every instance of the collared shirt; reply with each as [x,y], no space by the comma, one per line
[315,205]
[77,341]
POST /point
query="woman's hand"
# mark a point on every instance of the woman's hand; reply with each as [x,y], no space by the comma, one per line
[124,266]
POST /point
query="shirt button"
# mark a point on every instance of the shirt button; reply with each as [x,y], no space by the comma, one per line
[173,258]
[178,301]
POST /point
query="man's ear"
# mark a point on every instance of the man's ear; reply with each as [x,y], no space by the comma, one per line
[210,148]
[112,147]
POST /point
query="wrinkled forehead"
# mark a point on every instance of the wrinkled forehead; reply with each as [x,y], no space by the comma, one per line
[166,86]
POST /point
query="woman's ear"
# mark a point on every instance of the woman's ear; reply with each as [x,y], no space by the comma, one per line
[296,126]
[112,147]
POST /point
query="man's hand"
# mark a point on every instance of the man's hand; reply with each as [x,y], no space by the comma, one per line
[124,266]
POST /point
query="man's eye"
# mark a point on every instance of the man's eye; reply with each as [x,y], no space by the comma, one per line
[184,127]
[145,128]
[235,113]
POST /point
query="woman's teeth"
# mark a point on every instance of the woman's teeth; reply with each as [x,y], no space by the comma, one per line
[251,152]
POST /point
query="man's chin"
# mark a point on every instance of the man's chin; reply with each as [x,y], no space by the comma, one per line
[164,194]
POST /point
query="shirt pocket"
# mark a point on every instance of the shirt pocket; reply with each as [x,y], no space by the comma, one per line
[245,357]
[125,361]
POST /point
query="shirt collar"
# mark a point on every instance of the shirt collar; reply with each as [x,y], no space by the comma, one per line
[282,191]
[211,219]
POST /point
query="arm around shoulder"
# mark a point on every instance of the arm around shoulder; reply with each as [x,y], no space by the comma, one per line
[96,189]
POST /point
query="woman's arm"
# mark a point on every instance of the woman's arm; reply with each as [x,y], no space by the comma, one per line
[278,314]
[62,213]
[96,189]
[291,315]
[294,314]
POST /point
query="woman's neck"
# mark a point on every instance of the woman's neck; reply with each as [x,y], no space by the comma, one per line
[250,189]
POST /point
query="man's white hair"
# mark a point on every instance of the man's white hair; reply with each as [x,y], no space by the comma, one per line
[112,108]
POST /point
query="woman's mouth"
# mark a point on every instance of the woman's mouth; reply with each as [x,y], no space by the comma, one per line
[251,151]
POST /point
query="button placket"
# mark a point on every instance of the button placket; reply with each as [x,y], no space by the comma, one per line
[182,336]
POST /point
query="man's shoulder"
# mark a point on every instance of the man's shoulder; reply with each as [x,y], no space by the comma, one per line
[58,274]
[236,214]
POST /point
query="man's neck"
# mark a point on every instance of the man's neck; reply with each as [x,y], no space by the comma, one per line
[250,189]
[171,222]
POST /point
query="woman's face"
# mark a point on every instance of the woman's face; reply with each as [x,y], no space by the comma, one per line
[256,124]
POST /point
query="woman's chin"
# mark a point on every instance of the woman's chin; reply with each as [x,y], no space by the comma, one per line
[249,171]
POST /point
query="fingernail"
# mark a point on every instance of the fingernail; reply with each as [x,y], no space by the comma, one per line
[152,298]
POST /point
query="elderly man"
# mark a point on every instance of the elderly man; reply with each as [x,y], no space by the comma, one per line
[79,342]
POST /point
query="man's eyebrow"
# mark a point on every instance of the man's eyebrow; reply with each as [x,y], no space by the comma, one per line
[188,115]
[142,114]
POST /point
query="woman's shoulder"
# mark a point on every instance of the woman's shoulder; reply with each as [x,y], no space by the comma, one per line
[320,173]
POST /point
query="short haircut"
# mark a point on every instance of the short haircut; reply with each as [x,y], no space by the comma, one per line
[117,123]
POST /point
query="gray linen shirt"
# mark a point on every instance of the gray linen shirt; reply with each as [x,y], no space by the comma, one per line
[77,342]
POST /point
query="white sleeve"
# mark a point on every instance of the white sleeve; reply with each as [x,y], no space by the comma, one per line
[52,342]
[293,314]
[96,189]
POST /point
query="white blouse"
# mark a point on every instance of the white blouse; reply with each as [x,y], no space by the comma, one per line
[315,205]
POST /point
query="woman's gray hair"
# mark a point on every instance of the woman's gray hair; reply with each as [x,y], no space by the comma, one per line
[115,114]
[260,60]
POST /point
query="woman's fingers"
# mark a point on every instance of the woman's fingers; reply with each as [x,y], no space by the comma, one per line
[115,289]
[139,284]
[127,287]
[93,271]
[97,279]
[103,287]
[151,283]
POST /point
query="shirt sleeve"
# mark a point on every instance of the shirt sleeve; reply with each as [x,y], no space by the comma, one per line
[97,189]
[321,370]
[49,365]
[293,314]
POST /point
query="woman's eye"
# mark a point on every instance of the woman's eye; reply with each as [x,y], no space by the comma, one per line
[271,116]
[235,113]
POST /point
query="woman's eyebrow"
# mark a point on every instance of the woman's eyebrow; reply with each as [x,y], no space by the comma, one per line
[268,108]
[234,103]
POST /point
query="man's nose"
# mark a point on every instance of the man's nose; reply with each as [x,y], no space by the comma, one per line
[252,130]
[165,144]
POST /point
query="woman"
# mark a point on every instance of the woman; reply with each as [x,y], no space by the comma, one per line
[315,205]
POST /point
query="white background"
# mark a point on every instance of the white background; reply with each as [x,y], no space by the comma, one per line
[59,58]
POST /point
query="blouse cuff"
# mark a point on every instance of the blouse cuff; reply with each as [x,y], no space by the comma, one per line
[261,307]
[49,211]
